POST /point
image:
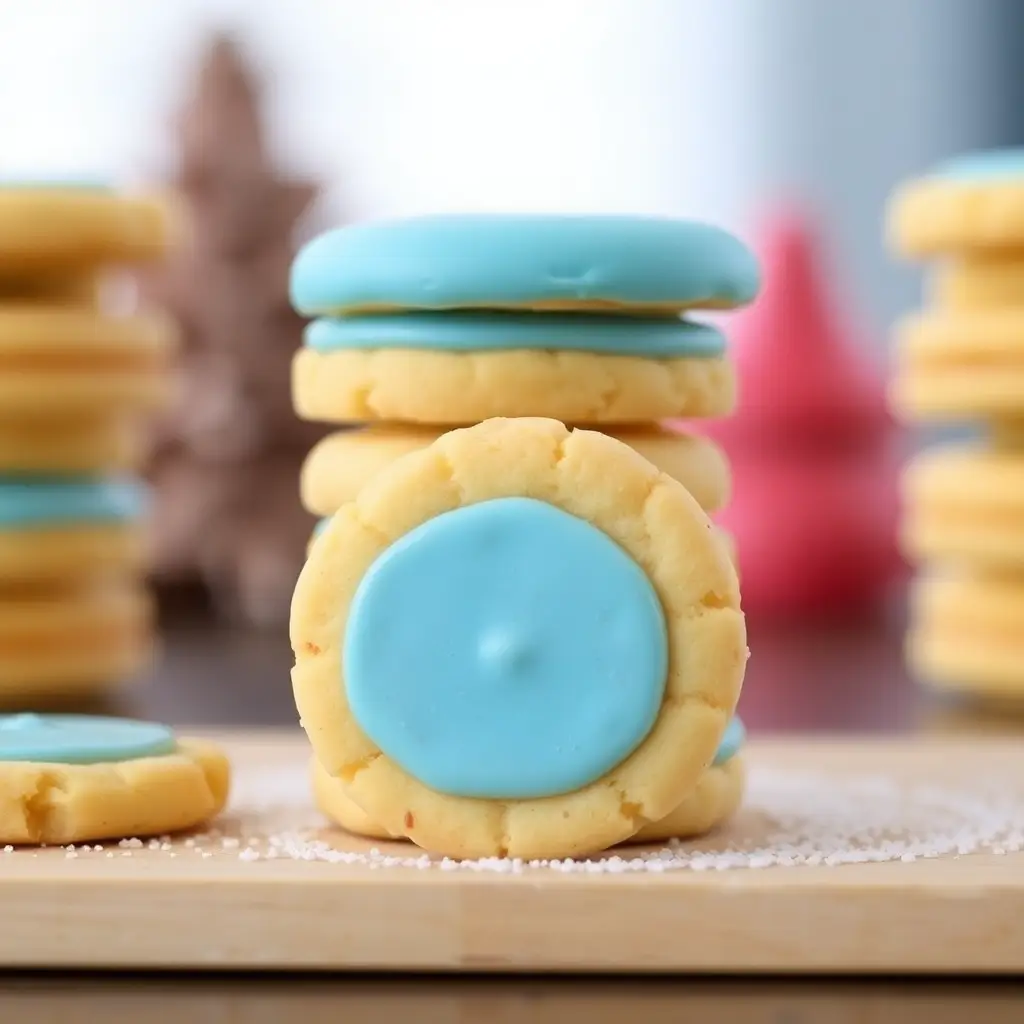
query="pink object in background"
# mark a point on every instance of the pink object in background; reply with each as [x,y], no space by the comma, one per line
[814,509]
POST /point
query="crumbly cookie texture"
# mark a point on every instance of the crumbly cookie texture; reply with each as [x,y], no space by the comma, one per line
[453,388]
[56,804]
[604,482]
[717,796]
[342,463]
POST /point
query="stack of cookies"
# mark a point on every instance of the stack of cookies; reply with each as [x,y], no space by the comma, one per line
[513,637]
[74,382]
[960,362]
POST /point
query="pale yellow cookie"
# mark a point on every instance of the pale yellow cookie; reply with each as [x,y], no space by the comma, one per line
[965,504]
[76,363]
[342,463]
[979,283]
[939,215]
[57,804]
[960,365]
[718,794]
[717,797]
[334,803]
[80,446]
[47,229]
[649,515]
[453,388]
[66,641]
[70,552]
[967,633]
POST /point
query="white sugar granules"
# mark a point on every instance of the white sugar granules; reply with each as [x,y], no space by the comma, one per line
[789,819]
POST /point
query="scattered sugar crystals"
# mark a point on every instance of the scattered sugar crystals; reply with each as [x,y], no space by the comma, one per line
[790,819]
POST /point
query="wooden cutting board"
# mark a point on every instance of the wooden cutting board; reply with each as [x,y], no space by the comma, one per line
[778,890]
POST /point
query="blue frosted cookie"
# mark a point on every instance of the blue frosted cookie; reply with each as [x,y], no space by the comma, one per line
[618,264]
[519,640]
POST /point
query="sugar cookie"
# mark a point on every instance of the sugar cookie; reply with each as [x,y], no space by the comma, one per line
[718,794]
[974,202]
[55,227]
[553,263]
[67,641]
[68,362]
[64,528]
[423,387]
[624,582]
[965,503]
[967,633]
[77,778]
[101,444]
[980,283]
[960,365]
[342,463]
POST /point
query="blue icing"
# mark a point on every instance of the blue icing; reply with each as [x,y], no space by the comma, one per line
[505,650]
[446,262]
[482,330]
[35,501]
[81,739]
[732,740]
[986,165]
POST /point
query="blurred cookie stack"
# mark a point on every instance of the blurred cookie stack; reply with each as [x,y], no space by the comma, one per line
[961,362]
[75,382]
[439,322]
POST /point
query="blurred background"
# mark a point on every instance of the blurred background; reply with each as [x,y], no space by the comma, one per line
[270,120]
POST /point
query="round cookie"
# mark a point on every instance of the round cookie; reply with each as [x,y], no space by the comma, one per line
[453,388]
[965,503]
[342,463]
[603,676]
[67,641]
[70,447]
[55,529]
[77,363]
[718,794]
[979,283]
[51,227]
[959,365]
[78,778]
[553,263]
[967,634]
[972,203]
